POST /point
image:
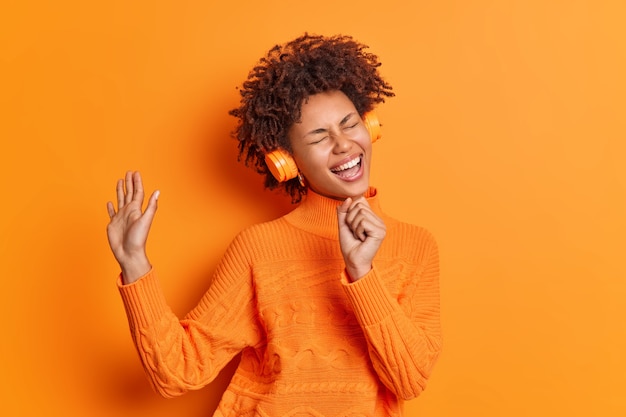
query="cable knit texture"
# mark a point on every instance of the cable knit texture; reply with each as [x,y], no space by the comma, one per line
[312,343]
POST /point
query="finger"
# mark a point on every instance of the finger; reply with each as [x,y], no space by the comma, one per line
[359,228]
[138,188]
[129,188]
[355,210]
[342,210]
[353,217]
[364,223]
[152,207]
[360,200]
[360,234]
[110,209]
[345,206]
[120,193]
[361,208]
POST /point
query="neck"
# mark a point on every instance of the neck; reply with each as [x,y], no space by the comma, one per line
[318,214]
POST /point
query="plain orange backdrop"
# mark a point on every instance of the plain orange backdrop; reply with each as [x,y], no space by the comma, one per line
[507,139]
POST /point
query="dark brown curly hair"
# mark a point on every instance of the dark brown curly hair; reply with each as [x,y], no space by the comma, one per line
[272,95]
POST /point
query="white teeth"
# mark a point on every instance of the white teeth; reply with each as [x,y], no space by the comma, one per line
[347,165]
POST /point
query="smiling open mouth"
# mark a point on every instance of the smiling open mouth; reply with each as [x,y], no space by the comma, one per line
[349,169]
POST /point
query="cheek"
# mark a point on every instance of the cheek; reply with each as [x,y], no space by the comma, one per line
[363,138]
[310,164]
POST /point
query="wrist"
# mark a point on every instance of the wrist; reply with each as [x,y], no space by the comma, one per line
[354,273]
[133,270]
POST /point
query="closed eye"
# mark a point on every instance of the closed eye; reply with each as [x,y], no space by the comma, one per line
[318,141]
[347,122]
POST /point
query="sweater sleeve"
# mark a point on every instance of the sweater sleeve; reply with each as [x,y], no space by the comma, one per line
[181,355]
[404,332]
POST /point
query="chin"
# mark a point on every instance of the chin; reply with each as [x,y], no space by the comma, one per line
[342,194]
[355,191]
[341,189]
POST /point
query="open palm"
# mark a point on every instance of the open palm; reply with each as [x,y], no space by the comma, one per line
[129,226]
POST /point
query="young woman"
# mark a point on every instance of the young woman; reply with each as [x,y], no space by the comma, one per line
[334,307]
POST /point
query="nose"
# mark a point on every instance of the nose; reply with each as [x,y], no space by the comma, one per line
[342,143]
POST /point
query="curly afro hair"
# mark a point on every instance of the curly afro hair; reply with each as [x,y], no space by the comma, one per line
[272,95]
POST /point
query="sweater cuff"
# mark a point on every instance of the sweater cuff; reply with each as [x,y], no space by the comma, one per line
[143,300]
[369,297]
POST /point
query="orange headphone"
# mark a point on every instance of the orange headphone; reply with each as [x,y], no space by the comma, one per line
[283,167]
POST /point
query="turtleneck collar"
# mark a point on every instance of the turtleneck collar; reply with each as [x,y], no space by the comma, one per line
[317,214]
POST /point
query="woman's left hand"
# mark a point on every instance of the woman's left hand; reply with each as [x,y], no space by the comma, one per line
[361,232]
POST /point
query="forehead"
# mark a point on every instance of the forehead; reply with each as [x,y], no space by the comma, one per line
[326,107]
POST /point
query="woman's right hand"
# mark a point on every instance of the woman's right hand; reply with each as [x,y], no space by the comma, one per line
[129,226]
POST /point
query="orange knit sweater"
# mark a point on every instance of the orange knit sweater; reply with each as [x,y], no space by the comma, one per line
[312,344]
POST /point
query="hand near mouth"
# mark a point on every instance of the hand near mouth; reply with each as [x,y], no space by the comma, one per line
[361,232]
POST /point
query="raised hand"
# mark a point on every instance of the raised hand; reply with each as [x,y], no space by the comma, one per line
[361,232]
[129,226]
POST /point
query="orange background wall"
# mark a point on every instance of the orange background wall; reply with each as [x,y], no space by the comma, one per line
[507,139]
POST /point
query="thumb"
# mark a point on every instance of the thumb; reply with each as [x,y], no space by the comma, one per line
[342,209]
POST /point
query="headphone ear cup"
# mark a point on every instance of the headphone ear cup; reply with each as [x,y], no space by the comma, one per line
[281,165]
[372,125]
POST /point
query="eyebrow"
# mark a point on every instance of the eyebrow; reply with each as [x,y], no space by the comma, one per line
[322,130]
[345,119]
